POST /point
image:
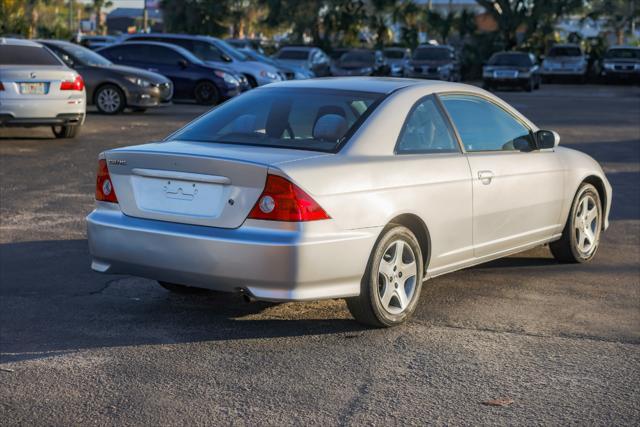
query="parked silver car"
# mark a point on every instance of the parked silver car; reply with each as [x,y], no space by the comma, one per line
[38,89]
[565,60]
[356,188]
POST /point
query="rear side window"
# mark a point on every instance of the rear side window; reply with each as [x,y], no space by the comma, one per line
[306,119]
[122,53]
[426,131]
[27,55]
[483,126]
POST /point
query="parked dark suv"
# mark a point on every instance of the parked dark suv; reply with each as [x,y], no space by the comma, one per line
[512,69]
[112,88]
[191,78]
[361,62]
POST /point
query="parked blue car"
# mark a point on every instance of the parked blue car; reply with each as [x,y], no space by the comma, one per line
[192,78]
[214,51]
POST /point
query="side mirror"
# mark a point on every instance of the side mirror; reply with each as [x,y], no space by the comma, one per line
[183,63]
[547,139]
[225,57]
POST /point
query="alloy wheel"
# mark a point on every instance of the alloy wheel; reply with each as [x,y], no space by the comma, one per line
[397,276]
[109,100]
[587,225]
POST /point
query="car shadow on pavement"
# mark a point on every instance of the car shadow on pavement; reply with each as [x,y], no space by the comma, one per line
[52,303]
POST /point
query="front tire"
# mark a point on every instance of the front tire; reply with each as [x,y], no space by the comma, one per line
[69,131]
[581,235]
[206,93]
[109,99]
[392,282]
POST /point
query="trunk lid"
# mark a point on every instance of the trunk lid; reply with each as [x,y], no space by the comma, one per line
[205,184]
[43,82]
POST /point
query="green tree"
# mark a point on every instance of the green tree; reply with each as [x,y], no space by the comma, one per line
[196,16]
[620,15]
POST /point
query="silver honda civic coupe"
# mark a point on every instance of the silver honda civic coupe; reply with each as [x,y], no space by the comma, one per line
[355,188]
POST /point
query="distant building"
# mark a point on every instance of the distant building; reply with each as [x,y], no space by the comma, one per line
[126,19]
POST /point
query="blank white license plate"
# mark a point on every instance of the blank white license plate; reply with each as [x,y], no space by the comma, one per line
[33,88]
[171,196]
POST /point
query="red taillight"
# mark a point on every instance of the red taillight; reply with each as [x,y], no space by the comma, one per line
[1,86]
[76,84]
[282,200]
[104,187]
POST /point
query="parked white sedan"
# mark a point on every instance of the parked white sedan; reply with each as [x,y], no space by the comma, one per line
[356,188]
[38,89]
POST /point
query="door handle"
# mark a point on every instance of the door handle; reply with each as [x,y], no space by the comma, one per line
[485,177]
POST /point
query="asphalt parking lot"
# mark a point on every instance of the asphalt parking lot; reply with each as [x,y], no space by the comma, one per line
[79,348]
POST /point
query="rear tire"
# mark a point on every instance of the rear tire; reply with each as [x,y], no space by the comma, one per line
[529,86]
[390,288]
[581,235]
[182,289]
[206,93]
[69,131]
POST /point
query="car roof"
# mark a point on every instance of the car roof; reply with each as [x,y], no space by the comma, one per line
[383,85]
[171,36]
[18,42]
[624,47]
[57,42]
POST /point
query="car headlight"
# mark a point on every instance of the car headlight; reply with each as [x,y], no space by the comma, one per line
[396,67]
[228,78]
[138,81]
[270,75]
[608,66]
[366,70]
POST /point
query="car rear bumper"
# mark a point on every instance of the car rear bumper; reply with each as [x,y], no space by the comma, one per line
[42,112]
[65,119]
[266,262]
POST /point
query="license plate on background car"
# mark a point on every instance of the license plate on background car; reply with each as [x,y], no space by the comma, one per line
[34,88]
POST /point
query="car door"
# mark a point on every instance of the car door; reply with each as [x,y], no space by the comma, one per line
[428,150]
[517,189]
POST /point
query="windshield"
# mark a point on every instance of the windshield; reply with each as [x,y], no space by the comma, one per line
[432,53]
[26,55]
[231,51]
[394,54]
[300,55]
[565,51]
[85,56]
[514,59]
[623,54]
[305,119]
[362,56]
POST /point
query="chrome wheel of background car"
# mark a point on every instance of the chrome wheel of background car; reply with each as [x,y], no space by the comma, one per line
[109,100]
[397,277]
[587,225]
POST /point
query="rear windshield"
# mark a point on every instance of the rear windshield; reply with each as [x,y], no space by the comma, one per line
[305,119]
[293,54]
[623,53]
[514,59]
[565,51]
[26,55]
[432,54]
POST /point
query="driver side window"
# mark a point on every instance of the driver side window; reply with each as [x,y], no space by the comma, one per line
[483,126]
[426,131]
